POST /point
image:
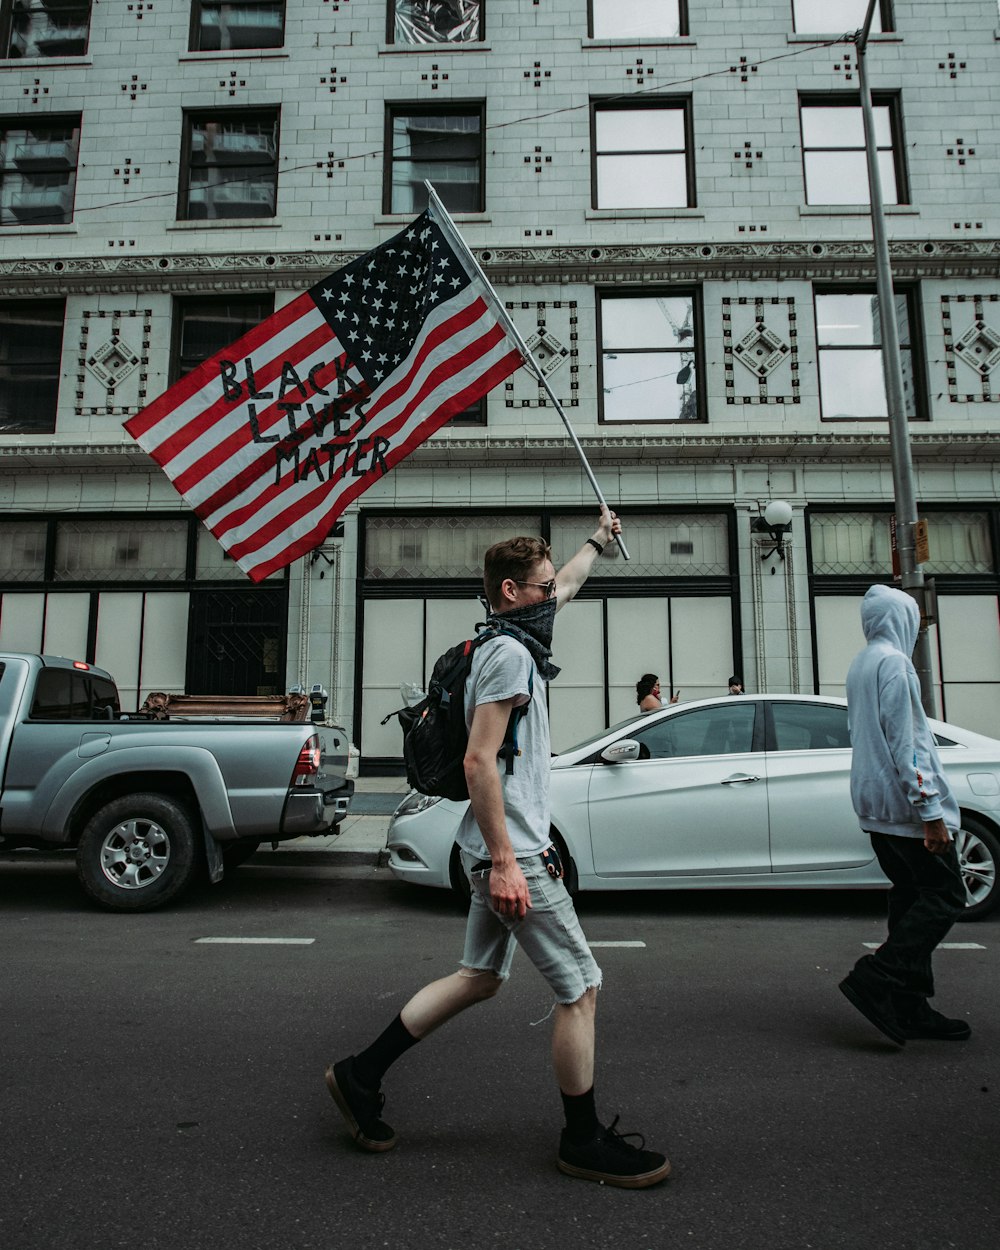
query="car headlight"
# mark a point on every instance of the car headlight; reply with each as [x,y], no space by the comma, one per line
[415,802]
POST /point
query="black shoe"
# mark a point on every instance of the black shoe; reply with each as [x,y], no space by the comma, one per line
[361,1107]
[926,1024]
[876,1008]
[607,1157]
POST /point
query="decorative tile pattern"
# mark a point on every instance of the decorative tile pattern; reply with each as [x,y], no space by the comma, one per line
[113,363]
[554,344]
[974,348]
[767,342]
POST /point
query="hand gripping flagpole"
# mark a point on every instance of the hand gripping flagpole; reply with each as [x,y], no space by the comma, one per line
[450,230]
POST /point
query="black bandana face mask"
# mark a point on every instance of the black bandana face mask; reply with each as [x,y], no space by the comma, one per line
[532,626]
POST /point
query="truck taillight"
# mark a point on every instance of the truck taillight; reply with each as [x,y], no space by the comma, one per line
[307,765]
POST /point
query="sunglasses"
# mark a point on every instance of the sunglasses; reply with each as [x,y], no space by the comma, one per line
[548,587]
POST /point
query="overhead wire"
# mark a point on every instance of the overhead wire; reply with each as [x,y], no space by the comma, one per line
[746,67]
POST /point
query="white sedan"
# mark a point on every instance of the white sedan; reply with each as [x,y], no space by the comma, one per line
[730,793]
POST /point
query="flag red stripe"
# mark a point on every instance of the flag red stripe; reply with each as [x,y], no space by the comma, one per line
[193,382]
[447,329]
[241,439]
[321,528]
[304,504]
[438,377]
[265,374]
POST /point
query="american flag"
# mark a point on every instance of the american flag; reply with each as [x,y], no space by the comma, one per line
[271,439]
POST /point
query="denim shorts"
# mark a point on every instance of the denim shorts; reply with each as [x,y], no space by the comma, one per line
[550,933]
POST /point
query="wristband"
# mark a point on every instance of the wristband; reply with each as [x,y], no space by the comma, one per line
[596,545]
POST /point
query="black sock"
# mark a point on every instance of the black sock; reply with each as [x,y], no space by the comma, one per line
[581,1114]
[372,1064]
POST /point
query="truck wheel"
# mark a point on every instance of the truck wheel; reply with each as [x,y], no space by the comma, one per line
[137,852]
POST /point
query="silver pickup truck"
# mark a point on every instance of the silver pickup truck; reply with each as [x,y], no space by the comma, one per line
[149,803]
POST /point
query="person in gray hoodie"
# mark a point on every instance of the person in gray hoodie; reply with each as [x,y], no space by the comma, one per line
[904,804]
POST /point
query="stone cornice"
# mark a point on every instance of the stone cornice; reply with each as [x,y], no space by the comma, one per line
[491,451]
[591,263]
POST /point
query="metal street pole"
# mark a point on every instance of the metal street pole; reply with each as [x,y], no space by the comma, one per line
[911,574]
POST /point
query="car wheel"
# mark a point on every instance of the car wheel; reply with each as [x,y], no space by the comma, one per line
[236,853]
[456,875]
[137,852]
[979,858]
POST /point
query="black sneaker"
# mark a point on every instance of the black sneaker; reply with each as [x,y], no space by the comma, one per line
[926,1024]
[607,1157]
[361,1107]
[875,1007]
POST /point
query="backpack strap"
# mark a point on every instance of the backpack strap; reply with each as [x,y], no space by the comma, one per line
[510,747]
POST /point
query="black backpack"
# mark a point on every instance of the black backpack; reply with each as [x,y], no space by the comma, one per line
[435,737]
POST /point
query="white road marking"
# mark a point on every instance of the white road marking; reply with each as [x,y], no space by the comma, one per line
[258,941]
[942,946]
[630,945]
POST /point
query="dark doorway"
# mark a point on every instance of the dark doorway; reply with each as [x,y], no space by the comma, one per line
[237,642]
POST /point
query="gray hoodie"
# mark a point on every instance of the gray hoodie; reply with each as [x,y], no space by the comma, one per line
[896,777]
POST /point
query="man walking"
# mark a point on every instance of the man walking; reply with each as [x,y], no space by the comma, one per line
[904,804]
[518,896]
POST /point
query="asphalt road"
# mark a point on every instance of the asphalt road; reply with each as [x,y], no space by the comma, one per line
[162,1091]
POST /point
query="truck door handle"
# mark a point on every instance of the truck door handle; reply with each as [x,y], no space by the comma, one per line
[741,779]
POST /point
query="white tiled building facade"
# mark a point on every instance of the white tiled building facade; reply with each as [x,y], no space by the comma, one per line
[670,197]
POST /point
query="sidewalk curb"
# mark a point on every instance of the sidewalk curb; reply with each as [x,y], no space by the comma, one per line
[325,859]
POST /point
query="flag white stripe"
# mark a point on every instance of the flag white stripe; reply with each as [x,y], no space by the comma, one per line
[446,349]
[213,476]
[296,529]
[280,346]
[237,422]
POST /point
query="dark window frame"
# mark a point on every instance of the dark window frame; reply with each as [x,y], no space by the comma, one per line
[390,32]
[7,15]
[918,357]
[459,108]
[39,125]
[615,104]
[652,292]
[683,24]
[884,8]
[186,304]
[55,363]
[892,100]
[194,116]
[198,6]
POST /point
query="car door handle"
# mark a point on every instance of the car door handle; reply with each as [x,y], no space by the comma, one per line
[741,780]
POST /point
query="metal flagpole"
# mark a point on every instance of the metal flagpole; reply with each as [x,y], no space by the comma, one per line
[911,574]
[443,219]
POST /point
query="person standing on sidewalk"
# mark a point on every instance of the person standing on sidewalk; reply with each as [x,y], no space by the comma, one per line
[518,895]
[904,804]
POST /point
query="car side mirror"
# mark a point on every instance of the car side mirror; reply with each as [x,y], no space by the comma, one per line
[622,752]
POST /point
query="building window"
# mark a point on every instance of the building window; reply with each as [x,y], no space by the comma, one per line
[232,25]
[641,155]
[230,165]
[32,29]
[849,348]
[629,19]
[442,145]
[474,415]
[116,551]
[205,325]
[30,347]
[435,21]
[38,171]
[833,151]
[858,544]
[811,16]
[650,357]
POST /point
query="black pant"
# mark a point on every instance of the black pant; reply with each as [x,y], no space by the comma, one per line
[926,897]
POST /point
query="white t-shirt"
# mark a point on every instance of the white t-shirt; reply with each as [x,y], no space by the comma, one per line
[503,669]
